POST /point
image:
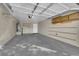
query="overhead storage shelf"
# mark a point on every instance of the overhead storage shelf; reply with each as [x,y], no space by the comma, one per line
[66,18]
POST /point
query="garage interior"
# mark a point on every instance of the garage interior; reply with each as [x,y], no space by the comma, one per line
[39,29]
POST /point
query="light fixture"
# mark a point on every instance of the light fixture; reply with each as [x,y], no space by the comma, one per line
[29,21]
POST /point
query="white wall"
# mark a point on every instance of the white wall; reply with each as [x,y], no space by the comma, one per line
[28,29]
[7,26]
[66,32]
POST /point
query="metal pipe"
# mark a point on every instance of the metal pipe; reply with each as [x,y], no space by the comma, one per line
[34,9]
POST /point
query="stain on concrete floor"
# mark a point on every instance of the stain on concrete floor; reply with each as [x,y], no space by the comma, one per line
[37,45]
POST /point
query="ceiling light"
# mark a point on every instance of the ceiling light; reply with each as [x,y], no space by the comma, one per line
[29,20]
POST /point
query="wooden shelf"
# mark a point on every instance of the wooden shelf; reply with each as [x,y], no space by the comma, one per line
[66,18]
[56,20]
[74,16]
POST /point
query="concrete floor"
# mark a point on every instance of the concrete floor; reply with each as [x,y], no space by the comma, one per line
[37,45]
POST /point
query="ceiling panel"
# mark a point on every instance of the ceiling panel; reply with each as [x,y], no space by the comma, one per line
[28,5]
[44,5]
[56,7]
[71,5]
[20,16]
[34,3]
[22,10]
[19,5]
[37,19]
[50,12]
[46,15]
[14,4]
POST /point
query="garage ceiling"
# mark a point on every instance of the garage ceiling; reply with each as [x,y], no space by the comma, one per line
[40,11]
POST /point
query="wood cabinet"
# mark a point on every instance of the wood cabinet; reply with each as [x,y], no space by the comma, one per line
[66,18]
